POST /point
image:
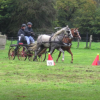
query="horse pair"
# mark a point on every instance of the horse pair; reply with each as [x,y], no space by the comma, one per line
[55,42]
[75,34]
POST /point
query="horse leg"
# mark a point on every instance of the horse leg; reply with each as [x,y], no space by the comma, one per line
[43,51]
[35,56]
[39,49]
[71,55]
[52,50]
[58,56]
[62,52]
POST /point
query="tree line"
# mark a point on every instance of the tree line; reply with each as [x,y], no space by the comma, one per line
[47,14]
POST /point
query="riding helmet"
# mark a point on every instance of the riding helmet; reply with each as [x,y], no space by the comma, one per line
[29,23]
[23,25]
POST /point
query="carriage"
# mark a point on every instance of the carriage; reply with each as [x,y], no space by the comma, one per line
[38,50]
[24,51]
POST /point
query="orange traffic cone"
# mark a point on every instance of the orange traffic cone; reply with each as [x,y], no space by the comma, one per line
[96,60]
[49,57]
[50,61]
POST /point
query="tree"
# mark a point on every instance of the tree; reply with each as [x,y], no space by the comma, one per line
[86,17]
[98,2]
[40,13]
[76,13]
[5,10]
[96,22]
[67,9]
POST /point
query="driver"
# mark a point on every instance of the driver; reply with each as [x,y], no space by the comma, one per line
[21,35]
[29,33]
[21,32]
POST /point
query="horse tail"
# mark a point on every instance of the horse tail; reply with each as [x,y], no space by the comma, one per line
[34,46]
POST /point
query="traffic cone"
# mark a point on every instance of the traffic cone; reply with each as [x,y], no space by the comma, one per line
[96,60]
[49,57]
[50,61]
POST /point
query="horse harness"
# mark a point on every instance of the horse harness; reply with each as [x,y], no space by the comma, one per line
[64,42]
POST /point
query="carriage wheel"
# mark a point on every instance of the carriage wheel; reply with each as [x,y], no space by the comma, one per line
[11,53]
[30,56]
[22,53]
[41,57]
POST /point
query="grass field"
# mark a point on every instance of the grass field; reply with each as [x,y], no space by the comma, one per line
[25,80]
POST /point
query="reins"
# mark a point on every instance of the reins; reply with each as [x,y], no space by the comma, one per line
[65,39]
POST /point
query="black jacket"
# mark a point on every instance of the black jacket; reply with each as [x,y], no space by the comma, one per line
[28,31]
[21,31]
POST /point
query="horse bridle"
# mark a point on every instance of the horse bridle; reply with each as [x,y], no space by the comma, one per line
[77,33]
[68,33]
[65,38]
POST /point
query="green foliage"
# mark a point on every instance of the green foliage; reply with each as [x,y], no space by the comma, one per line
[40,13]
[5,14]
[86,17]
[45,14]
[66,11]
[77,13]
[96,21]
[89,21]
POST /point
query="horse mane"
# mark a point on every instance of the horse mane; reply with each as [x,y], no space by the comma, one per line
[59,32]
[73,28]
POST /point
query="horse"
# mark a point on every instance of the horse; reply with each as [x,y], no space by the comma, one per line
[52,42]
[75,33]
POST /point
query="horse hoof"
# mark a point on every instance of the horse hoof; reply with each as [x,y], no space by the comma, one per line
[62,59]
[34,59]
[71,62]
[56,60]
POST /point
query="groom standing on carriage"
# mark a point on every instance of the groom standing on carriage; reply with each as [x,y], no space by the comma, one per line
[29,33]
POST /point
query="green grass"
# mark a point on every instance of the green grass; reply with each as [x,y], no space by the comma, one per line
[25,80]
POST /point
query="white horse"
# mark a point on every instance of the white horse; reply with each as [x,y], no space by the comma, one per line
[52,42]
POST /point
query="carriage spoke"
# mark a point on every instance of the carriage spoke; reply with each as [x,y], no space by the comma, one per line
[22,53]
[41,57]
[11,54]
[30,56]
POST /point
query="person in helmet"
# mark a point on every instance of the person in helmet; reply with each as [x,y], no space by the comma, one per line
[29,33]
[21,36]
[21,33]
